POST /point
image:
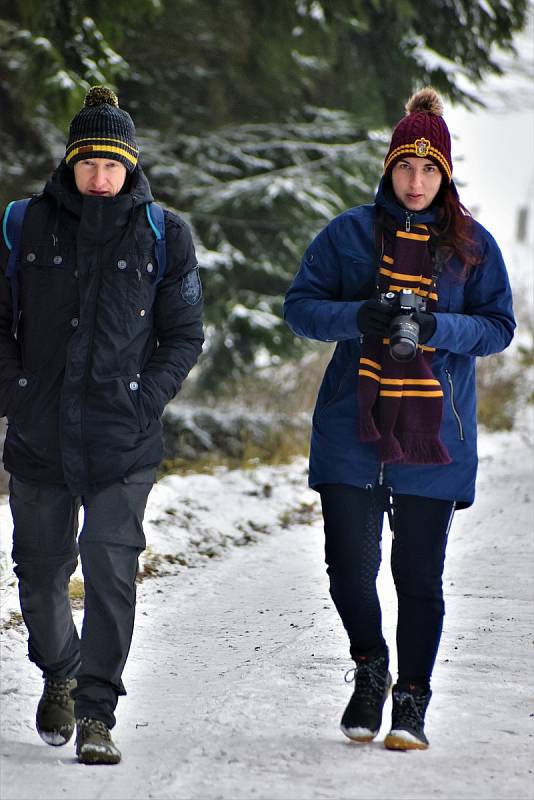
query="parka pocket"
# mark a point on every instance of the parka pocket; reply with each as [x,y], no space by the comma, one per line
[451,294]
[132,385]
[48,274]
[131,281]
[22,389]
[331,391]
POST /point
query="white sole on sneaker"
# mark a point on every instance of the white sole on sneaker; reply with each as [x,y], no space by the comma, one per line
[362,735]
[403,740]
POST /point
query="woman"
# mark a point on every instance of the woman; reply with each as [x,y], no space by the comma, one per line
[394,427]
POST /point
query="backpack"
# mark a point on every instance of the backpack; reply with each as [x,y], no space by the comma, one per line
[12,231]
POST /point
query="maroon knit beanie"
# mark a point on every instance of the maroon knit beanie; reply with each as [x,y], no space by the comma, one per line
[422,132]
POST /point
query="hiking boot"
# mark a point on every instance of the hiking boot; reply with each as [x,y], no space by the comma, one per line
[372,681]
[94,744]
[55,713]
[408,719]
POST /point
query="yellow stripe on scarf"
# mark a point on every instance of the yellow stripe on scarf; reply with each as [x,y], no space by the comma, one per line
[410,393]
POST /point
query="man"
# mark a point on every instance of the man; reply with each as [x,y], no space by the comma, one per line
[97,342]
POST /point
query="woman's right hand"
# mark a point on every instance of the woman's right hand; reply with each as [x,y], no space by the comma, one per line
[374,317]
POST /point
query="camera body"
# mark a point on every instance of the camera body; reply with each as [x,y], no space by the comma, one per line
[403,329]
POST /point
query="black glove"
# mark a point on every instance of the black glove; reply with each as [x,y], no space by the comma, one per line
[373,317]
[427,325]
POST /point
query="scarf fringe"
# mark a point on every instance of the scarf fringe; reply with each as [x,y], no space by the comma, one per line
[422,450]
[390,450]
[368,430]
[413,449]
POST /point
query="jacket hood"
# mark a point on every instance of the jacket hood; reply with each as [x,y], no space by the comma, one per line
[61,186]
[386,200]
[98,219]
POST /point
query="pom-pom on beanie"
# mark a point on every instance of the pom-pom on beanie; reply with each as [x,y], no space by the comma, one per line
[423,133]
[102,130]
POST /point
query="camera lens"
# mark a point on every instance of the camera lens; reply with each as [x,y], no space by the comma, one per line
[403,338]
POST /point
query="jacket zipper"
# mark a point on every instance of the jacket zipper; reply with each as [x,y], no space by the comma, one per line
[408,222]
[453,406]
[88,364]
[381,474]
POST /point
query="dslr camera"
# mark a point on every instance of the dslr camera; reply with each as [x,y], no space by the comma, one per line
[403,329]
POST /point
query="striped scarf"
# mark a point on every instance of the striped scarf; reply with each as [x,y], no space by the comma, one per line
[401,403]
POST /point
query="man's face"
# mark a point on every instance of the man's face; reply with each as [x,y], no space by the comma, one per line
[99,177]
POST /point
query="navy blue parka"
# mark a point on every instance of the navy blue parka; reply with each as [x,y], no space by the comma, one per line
[474,318]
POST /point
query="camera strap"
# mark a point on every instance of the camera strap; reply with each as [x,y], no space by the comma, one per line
[437,256]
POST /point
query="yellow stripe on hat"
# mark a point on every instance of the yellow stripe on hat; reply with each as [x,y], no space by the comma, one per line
[410,149]
[101,149]
[78,142]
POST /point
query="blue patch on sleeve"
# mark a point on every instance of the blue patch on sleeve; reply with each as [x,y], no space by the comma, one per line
[191,290]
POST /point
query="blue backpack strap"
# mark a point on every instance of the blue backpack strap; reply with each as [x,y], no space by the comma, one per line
[12,231]
[156,220]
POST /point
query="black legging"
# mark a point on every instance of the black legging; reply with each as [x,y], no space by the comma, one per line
[353,521]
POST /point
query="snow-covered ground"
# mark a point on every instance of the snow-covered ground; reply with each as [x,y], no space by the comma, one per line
[235,677]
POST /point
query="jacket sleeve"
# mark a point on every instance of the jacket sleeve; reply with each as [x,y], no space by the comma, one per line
[313,307]
[178,319]
[487,323]
[10,368]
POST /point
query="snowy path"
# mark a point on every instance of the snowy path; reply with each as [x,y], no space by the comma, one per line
[235,678]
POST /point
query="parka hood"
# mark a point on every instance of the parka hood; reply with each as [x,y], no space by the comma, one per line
[62,188]
[99,216]
[387,200]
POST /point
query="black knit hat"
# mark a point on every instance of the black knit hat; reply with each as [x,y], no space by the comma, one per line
[102,130]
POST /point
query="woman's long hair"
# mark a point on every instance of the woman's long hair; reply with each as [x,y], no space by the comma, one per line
[454,228]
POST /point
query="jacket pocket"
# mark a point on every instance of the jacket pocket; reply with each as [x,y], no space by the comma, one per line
[132,385]
[48,272]
[451,294]
[331,392]
[18,397]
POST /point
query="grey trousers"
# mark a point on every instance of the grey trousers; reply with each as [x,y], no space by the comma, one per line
[45,551]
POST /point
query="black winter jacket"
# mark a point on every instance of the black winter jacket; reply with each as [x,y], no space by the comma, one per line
[100,347]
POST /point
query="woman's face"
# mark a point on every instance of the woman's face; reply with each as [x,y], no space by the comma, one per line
[416,182]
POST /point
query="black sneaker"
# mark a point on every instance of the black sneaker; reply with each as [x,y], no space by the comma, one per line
[55,713]
[94,744]
[363,716]
[408,719]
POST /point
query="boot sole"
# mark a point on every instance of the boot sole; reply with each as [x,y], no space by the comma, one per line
[364,737]
[55,738]
[94,756]
[394,741]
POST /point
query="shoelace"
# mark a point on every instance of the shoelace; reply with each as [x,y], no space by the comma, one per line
[94,726]
[407,709]
[57,691]
[369,678]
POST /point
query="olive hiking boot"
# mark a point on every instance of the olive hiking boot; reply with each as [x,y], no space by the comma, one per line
[372,681]
[410,703]
[94,744]
[55,713]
